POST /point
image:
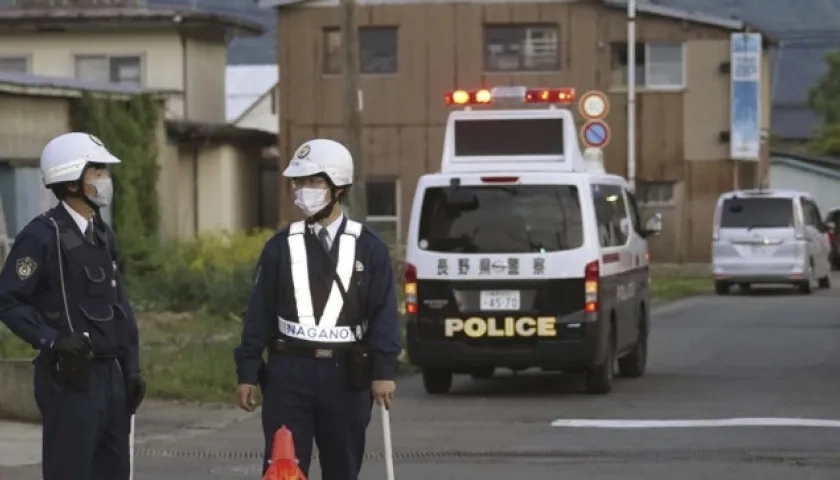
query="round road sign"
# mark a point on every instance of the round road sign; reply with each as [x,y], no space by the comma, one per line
[594,105]
[595,134]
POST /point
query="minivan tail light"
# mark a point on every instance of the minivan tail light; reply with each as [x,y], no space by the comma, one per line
[591,280]
[716,222]
[798,222]
[410,289]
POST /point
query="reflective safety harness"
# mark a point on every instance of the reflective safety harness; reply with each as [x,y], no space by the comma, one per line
[325,329]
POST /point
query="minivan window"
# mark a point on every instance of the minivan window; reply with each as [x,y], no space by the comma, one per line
[501,219]
[757,213]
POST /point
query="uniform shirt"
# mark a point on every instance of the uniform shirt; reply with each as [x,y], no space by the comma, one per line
[378,305]
[77,217]
[332,229]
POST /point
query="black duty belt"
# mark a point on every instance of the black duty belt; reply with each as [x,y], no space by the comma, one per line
[281,346]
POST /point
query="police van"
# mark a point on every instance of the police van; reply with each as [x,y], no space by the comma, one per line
[522,252]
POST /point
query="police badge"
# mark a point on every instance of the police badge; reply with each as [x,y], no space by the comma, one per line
[25,267]
[96,140]
[303,151]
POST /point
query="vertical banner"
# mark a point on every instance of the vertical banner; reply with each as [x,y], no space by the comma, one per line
[745,100]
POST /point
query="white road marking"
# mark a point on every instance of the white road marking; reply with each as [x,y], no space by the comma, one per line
[697,423]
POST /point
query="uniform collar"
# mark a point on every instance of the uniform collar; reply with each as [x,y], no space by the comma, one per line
[332,228]
[77,217]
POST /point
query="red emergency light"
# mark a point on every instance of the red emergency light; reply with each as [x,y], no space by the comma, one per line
[484,96]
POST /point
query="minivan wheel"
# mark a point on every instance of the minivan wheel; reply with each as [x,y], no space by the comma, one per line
[436,381]
[805,285]
[721,287]
[599,378]
[634,363]
[825,282]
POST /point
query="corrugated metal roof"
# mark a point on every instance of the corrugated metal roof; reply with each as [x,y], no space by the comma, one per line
[245,84]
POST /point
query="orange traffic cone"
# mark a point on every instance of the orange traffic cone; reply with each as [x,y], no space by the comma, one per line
[283,465]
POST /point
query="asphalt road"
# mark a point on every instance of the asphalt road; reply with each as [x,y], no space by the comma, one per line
[772,354]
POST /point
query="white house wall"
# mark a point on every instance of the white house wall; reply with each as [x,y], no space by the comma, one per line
[825,189]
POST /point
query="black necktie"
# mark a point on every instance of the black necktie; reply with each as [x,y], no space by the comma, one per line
[89,234]
[323,236]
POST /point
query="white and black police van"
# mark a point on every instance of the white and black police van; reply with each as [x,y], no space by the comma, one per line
[522,252]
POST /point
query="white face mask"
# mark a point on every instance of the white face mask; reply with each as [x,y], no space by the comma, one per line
[311,200]
[104,191]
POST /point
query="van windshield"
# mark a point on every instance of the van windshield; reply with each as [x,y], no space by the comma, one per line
[501,219]
[757,213]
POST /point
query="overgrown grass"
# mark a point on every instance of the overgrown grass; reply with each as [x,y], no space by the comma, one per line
[667,289]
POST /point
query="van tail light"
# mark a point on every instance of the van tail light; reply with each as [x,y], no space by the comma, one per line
[591,279]
[799,223]
[410,289]
[716,222]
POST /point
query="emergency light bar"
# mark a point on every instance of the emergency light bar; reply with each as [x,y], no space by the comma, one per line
[483,96]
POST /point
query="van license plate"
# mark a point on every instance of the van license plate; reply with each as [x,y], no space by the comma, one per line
[500,300]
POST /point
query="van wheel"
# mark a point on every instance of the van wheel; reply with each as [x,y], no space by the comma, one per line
[437,382]
[634,363]
[721,287]
[483,373]
[599,378]
[825,282]
[805,285]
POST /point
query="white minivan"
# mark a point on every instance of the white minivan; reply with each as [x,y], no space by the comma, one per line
[769,236]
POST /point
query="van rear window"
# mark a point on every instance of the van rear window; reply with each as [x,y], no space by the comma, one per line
[757,213]
[501,219]
[532,136]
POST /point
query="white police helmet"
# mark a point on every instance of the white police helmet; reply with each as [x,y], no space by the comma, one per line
[322,156]
[65,157]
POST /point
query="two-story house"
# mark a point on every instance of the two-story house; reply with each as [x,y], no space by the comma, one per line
[413,51]
[205,180]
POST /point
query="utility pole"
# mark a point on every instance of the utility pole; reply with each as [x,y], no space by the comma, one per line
[631,94]
[351,100]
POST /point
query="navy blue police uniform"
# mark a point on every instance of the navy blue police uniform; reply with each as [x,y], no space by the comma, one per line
[60,282]
[317,336]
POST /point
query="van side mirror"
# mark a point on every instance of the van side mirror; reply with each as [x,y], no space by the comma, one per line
[653,225]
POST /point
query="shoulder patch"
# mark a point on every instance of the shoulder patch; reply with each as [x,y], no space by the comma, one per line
[26,266]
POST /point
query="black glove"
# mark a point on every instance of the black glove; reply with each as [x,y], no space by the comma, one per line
[72,346]
[135,392]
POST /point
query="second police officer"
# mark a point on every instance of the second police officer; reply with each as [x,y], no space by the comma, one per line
[60,291]
[324,304]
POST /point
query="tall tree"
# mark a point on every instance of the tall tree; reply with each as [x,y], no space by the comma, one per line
[824,98]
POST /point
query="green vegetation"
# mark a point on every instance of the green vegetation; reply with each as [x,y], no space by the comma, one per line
[824,98]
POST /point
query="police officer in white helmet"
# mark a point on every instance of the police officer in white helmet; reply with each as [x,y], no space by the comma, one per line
[60,291]
[324,304]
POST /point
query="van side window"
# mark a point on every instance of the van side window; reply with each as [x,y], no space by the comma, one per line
[809,213]
[611,211]
[633,209]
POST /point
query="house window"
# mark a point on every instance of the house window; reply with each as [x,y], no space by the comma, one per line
[521,47]
[658,65]
[383,209]
[377,50]
[14,64]
[651,194]
[102,68]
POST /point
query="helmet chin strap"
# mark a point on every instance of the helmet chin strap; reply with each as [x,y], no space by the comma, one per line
[327,210]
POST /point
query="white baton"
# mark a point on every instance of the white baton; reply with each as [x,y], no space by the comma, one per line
[389,449]
[131,450]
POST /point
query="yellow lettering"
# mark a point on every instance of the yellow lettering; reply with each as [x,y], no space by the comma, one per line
[509,326]
[453,326]
[547,326]
[525,326]
[475,327]
[493,330]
